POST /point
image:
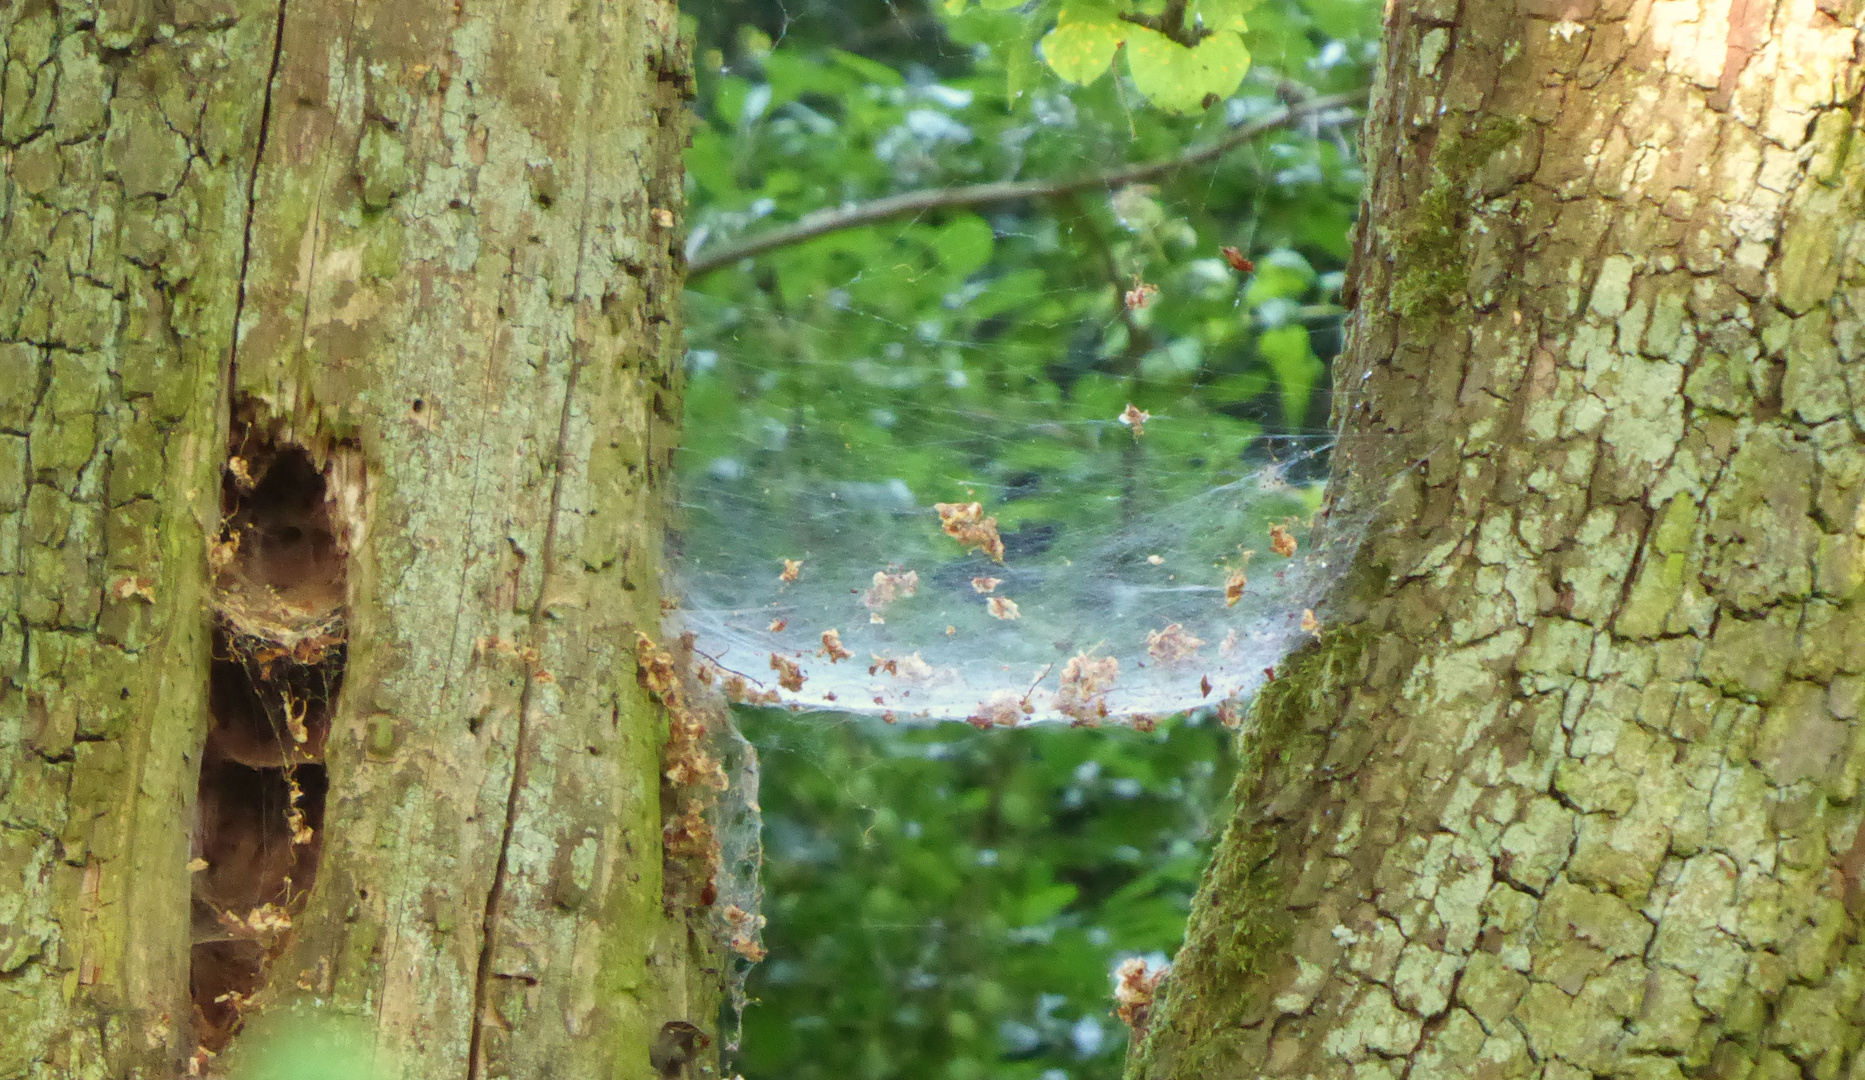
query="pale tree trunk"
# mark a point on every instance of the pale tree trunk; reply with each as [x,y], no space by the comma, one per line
[1569,785]
[351,726]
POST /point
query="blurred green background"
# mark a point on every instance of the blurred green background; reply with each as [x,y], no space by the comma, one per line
[944,902]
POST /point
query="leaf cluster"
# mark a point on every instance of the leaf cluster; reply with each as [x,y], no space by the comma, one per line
[950,902]
[989,349]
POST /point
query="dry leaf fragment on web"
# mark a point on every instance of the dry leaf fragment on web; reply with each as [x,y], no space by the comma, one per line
[832,646]
[1135,418]
[1281,541]
[911,668]
[1085,683]
[985,584]
[1310,624]
[1141,294]
[887,587]
[792,567]
[1003,607]
[1134,990]
[301,832]
[789,675]
[1005,709]
[241,472]
[776,626]
[1235,583]
[1230,712]
[744,927]
[1173,645]
[966,523]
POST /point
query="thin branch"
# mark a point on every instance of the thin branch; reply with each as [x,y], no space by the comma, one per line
[1171,22]
[823,222]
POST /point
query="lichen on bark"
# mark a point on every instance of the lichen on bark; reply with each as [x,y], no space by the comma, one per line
[446,246]
[1586,803]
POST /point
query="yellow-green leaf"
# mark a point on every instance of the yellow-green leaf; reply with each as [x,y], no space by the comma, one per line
[1080,50]
[1222,14]
[1178,79]
[1225,61]
[1164,71]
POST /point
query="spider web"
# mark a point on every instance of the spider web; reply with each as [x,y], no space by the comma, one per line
[809,558]
[1109,559]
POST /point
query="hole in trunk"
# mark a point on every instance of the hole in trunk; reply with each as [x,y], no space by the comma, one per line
[279,568]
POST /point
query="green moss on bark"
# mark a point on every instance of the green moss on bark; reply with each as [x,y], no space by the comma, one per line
[1431,267]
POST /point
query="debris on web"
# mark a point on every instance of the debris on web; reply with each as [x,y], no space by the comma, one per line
[711,834]
[1094,613]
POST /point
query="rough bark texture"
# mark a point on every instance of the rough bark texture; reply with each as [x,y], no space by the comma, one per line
[121,213]
[445,233]
[1570,783]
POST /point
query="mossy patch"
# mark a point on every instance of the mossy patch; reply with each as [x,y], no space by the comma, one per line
[1240,924]
[1430,267]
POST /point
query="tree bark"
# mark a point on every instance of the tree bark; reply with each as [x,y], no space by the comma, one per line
[1568,785]
[338,381]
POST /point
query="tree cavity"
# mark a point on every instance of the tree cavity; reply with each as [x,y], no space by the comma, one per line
[279,567]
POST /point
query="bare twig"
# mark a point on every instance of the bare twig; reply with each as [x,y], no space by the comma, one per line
[823,222]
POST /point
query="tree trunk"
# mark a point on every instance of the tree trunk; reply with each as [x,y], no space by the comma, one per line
[1569,783]
[317,687]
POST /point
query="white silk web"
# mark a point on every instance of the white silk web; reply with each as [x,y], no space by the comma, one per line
[854,594]
[1149,564]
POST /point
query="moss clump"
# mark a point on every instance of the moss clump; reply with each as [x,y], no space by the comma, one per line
[1240,923]
[1278,749]
[1431,269]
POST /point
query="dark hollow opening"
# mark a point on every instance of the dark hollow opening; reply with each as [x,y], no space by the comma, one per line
[278,659]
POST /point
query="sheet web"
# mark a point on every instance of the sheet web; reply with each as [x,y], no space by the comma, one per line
[1008,356]
[1120,591]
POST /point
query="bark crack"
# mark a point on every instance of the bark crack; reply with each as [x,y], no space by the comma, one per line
[495,896]
[229,375]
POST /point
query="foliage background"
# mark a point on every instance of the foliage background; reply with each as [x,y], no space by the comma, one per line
[947,903]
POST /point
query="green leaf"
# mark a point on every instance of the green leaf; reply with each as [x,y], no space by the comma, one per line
[1223,14]
[710,163]
[1349,20]
[1045,902]
[872,71]
[1178,79]
[1080,51]
[1225,61]
[1164,71]
[1020,61]
[1296,367]
[963,246]
[1283,274]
